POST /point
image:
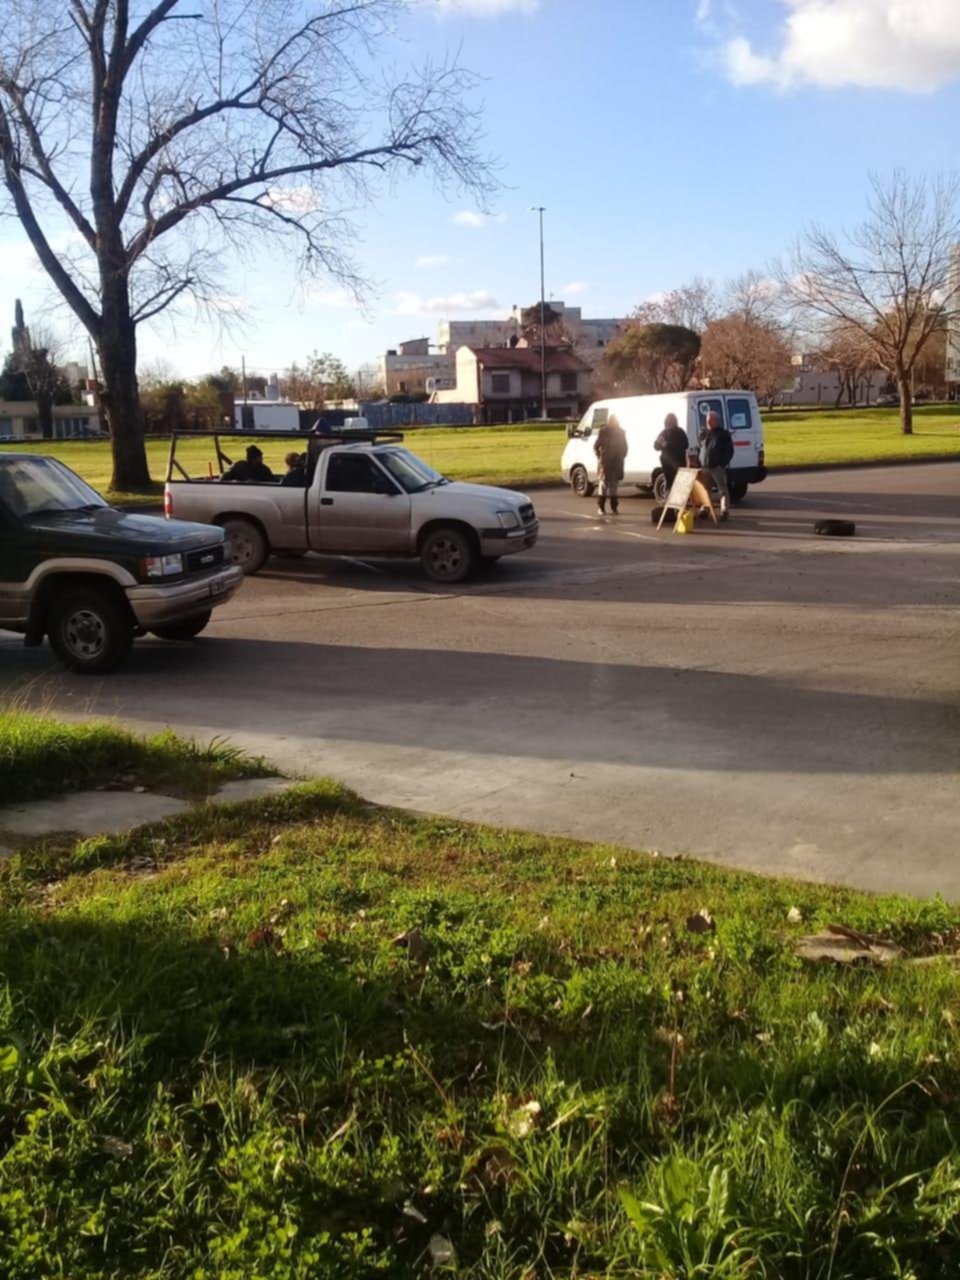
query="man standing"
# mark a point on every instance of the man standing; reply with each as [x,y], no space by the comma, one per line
[610,447]
[716,454]
[673,444]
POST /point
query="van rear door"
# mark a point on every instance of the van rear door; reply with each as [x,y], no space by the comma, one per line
[743,423]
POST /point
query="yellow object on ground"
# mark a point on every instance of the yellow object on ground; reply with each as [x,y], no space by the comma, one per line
[685,522]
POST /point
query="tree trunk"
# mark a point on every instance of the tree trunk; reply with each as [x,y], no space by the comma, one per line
[45,414]
[121,394]
[906,404]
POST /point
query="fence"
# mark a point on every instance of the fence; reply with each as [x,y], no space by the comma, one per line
[383,416]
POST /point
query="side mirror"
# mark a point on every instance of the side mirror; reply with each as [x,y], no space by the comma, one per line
[572,430]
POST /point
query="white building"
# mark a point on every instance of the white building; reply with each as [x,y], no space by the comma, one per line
[812,385]
[413,369]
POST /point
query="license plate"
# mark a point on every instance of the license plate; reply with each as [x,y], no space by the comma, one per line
[218,586]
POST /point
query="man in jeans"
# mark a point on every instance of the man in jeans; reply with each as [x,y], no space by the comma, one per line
[610,447]
[716,454]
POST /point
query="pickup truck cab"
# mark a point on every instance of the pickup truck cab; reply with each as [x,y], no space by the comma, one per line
[91,577]
[363,496]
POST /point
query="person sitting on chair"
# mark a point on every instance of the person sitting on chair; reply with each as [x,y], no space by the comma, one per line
[252,471]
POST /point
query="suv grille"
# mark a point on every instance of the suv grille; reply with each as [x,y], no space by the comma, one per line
[527,513]
[205,558]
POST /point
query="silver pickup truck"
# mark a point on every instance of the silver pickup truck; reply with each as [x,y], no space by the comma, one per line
[356,494]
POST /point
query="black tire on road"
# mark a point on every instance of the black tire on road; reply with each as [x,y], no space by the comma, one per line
[661,488]
[248,544]
[835,528]
[290,555]
[90,630]
[448,554]
[188,629]
[581,483]
[738,491]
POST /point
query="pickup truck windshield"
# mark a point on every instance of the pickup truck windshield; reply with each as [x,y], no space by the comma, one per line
[43,486]
[410,472]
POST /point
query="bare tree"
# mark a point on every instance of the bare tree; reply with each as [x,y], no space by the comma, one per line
[691,306]
[890,279]
[849,355]
[751,354]
[160,134]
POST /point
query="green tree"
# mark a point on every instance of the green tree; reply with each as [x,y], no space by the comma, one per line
[649,358]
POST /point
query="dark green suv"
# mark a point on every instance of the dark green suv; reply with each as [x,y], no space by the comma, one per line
[91,577]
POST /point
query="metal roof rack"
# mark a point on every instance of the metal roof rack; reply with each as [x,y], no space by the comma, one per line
[317,436]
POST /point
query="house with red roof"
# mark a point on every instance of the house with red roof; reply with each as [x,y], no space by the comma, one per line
[504,383]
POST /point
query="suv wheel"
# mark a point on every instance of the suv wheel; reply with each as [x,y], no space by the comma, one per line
[580,482]
[89,631]
[738,491]
[447,555]
[188,629]
[248,545]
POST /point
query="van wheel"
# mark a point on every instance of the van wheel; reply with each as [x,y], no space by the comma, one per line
[248,545]
[580,482]
[90,631]
[661,487]
[447,555]
[738,490]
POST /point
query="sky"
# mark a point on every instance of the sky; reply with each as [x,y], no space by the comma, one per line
[666,139]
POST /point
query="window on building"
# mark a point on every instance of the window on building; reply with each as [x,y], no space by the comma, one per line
[403,386]
[568,382]
[500,383]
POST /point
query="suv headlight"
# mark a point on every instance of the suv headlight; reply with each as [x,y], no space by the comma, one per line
[508,519]
[161,566]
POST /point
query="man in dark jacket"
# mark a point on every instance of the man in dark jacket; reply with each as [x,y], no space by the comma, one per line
[253,471]
[716,454]
[610,447]
[673,444]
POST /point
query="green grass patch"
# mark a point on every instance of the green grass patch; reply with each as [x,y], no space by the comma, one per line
[530,453]
[40,756]
[305,1037]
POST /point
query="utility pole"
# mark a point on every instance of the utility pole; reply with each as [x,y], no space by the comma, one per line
[243,375]
[539,209]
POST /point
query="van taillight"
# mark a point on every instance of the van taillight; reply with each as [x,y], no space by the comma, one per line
[168,504]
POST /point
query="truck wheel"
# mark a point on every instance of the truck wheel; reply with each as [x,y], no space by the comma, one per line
[661,488]
[738,491]
[248,545]
[580,482]
[90,631]
[188,629]
[447,555]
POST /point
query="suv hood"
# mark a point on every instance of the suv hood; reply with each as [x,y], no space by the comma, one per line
[484,492]
[106,529]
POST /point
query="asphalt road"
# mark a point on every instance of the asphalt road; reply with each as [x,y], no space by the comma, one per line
[750,694]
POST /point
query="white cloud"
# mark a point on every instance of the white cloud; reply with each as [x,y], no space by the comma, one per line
[575,287]
[296,200]
[911,45]
[412,304]
[486,8]
[330,297]
[471,218]
[433,260]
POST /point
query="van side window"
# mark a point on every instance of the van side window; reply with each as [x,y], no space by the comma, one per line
[599,418]
[738,412]
[705,406]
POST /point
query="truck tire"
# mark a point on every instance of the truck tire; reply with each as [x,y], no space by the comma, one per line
[188,629]
[448,554]
[90,631]
[580,482]
[835,528]
[248,544]
[661,488]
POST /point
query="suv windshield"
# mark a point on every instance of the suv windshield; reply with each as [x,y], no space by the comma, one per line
[410,472]
[41,486]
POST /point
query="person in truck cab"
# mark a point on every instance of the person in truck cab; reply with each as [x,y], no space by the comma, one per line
[252,471]
[296,477]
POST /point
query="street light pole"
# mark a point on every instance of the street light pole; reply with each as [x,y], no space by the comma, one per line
[540,209]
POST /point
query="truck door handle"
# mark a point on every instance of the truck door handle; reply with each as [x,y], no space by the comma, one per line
[326,502]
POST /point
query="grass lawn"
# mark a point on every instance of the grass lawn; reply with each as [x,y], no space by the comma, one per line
[305,1037]
[521,455]
[40,756]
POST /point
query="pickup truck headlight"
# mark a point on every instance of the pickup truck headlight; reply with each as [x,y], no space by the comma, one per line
[508,519]
[161,566]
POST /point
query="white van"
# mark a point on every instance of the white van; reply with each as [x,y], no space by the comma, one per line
[642,419]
